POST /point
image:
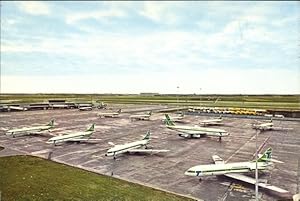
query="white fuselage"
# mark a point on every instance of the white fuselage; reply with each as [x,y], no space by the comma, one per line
[85,108]
[118,149]
[17,108]
[221,169]
[212,122]
[264,126]
[140,116]
[27,130]
[197,130]
[70,137]
[115,114]
[174,119]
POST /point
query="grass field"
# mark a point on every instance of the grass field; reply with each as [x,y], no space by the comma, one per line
[288,102]
[32,178]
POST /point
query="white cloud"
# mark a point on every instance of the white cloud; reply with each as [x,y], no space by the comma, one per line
[205,25]
[179,53]
[97,15]
[34,7]
[161,50]
[152,52]
[162,12]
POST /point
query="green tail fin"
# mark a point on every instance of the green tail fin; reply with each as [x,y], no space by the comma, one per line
[169,122]
[266,156]
[92,128]
[147,136]
[51,123]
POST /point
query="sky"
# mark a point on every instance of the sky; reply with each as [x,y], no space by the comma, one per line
[161,47]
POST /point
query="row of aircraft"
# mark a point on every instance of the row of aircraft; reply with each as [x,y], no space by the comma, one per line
[232,170]
[36,130]
[208,122]
[85,136]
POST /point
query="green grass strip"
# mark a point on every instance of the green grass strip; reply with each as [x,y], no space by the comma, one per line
[32,178]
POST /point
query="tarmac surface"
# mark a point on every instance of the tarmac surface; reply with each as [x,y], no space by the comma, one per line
[164,170]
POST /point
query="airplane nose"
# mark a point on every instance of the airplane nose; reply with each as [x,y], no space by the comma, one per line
[189,173]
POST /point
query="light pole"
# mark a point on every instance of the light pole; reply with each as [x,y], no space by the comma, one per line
[256,170]
[177,96]
[200,99]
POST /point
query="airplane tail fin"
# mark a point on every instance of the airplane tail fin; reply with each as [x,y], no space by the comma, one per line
[119,111]
[51,123]
[92,128]
[267,156]
[147,136]
[168,121]
[150,113]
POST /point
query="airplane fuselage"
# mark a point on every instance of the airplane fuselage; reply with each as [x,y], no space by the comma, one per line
[108,114]
[118,149]
[140,117]
[28,130]
[175,119]
[212,122]
[85,108]
[70,137]
[265,126]
[221,169]
[198,131]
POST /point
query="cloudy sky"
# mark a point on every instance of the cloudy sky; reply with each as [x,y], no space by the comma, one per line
[165,47]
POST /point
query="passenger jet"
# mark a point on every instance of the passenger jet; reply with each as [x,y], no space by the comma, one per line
[141,116]
[233,170]
[195,131]
[74,137]
[133,147]
[31,130]
[109,114]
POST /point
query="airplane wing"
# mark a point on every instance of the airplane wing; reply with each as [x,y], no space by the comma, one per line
[82,140]
[192,132]
[212,123]
[150,151]
[251,180]
[218,159]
